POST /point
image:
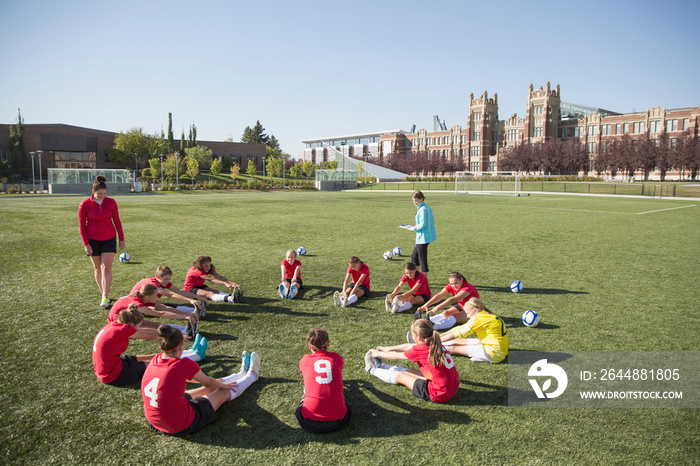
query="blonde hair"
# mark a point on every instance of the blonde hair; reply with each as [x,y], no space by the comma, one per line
[148,289]
[476,303]
[163,270]
[424,329]
[292,251]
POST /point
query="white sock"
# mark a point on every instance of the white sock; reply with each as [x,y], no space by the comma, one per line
[440,322]
[185,308]
[352,299]
[243,384]
[220,297]
[387,373]
[190,354]
[405,306]
[235,377]
[181,328]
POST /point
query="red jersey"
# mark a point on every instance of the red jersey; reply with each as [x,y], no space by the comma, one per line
[121,304]
[98,221]
[289,269]
[323,386]
[110,343]
[194,279]
[421,278]
[149,281]
[472,293]
[443,381]
[163,392]
[357,274]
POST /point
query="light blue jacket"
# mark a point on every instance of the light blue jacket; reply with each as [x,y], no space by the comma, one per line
[425,225]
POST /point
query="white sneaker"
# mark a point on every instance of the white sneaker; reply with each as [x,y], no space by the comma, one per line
[104,302]
[369,362]
[395,305]
[255,364]
[336,298]
[409,338]
[343,299]
[387,304]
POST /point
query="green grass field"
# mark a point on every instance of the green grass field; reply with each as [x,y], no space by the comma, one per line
[607,274]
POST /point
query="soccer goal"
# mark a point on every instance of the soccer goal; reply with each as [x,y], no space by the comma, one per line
[502,182]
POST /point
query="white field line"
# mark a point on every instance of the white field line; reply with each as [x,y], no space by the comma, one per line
[661,210]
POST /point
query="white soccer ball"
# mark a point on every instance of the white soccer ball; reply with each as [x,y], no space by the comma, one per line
[388,255]
[301,250]
[531,318]
[397,251]
[124,257]
[516,286]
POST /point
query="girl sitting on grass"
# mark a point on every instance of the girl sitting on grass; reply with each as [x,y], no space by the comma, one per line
[323,408]
[113,368]
[419,292]
[491,342]
[437,380]
[290,283]
[168,407]
[202,271]
[165,288]
[459,292]
[146,300]
[356,284]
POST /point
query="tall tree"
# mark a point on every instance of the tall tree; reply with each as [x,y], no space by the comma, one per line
[235,170]
[215,167]
[252,170]
[17,153]
[192,169]
[171,142]
[134,143]
[665,158]
[183,146]
[201,154]
[255,134]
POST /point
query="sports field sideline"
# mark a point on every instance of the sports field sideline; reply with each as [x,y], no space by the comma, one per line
[605,274]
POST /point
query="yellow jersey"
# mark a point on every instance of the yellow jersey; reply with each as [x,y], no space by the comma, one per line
[490,330]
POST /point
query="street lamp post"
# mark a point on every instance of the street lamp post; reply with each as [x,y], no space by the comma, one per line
[161,172]
[263,159]
[342,144]
[177,171]
[41,179]
[32,154]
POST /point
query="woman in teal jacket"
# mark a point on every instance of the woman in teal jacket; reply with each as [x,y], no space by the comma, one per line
[425,231]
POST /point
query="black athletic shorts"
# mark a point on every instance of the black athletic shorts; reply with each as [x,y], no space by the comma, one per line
[425,297]
[103,247]
[321,427]
[298,282]
[420,389]
[362,287]
[204,415]
[132,371]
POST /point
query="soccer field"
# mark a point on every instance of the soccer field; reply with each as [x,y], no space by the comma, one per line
[605,274]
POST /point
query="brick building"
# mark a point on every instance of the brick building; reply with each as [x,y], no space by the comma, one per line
[65,146]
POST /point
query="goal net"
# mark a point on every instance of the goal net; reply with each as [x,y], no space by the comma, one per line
[501,182]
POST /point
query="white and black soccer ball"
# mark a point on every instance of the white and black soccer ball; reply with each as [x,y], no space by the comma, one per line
[397,251]
[531,318]
[124,257]
[301,250]
[516,286]
[388,255]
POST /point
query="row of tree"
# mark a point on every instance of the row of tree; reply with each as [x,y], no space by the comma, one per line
[418,162]
[625,155]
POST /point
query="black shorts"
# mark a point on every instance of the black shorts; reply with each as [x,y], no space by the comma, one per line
[459,308]
[298,282]
[103,247]
[321,427]
[196,288]
[132,371]
[419,256]
[425,297]
[420,389]
[361,287]
[204,415]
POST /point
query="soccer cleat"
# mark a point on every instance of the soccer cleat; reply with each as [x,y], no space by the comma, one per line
[201,306]
[281,291]
[245,361]
[417,315]
[395,305]
[378,361]
[292,292]
[336,299]
[343,299]
[192,330]
[409,338]
[369,362]
[197,342]
[387,304]
[104,302]
[237,295]
[254,364]
[201,348]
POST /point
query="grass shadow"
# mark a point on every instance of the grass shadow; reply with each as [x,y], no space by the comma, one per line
[505,289]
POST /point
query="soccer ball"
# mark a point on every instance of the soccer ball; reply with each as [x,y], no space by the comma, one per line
[301,250]
[531,318]
[516,286]
[397,251]
[124,257]
[388,255]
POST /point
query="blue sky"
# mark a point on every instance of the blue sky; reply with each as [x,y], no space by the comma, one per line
[321,68]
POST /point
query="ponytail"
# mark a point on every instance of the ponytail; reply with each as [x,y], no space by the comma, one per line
[146,290]
[169,339]
[99,183]
[130,315]
[424,329]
